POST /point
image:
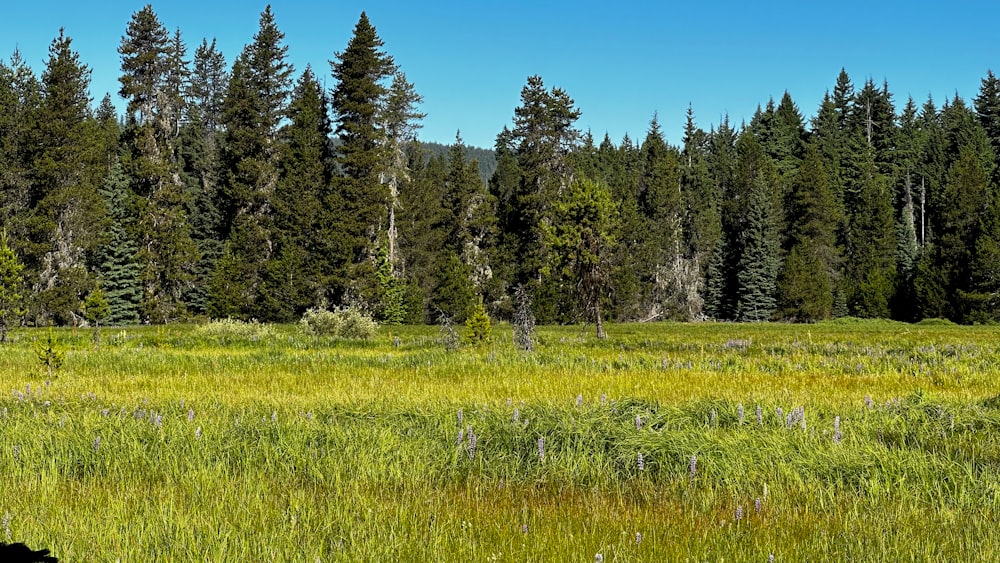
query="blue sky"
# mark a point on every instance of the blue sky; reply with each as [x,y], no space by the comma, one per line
[620,61]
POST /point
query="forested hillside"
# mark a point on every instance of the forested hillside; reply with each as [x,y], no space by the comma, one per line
[245,189]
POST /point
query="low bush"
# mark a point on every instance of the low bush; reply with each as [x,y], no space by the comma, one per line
[350,322]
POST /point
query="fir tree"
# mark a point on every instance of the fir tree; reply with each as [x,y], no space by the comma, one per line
[808,277]
[301,221]
[362,199]
[118,269]
[871,249]
[254,106]
[760,259]
[153,76]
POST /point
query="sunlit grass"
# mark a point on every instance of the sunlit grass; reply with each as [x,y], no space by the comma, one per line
[180,444]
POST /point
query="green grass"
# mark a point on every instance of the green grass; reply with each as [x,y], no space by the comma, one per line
[268,444]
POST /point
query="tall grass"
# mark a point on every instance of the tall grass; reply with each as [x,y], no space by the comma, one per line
[172,444]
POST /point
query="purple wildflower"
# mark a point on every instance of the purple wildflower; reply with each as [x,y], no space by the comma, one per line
[197,433]
[640,462]
[638,538]
[97,443]
[739,412]
[758,505]
[579,400]
[190,415]
[471,437]
[739,513]
[693,466]
[541,448]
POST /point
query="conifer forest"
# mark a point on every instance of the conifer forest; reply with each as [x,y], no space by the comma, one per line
[246,314]
[244,189]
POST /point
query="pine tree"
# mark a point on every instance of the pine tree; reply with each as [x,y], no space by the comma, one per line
[20,98]
[423,226]
[581,238]
[543,136]
[401,120]
[702,226]
[968,194]
[988,109]
[789,135]
[68,208]
[470,220]
[871,250]
[453,295]
[983,298]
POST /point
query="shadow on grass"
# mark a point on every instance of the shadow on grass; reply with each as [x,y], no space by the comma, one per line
[20,553]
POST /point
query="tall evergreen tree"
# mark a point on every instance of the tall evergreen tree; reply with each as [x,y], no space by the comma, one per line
[362,198]
[118,268]
[543,136]
[254,106]
[199,157]
[810,273]
[988,109]
[400,120]
[871,250]
[581,237]
[20,99]
[68,209]
[296,273]
[153,74]
[760,259]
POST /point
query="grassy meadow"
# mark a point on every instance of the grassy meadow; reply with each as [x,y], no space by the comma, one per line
[851,440]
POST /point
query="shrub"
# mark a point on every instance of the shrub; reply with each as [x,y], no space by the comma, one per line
[478,327]
[234,328]
[350,322]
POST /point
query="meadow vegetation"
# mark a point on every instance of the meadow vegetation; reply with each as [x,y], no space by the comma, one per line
[847,440]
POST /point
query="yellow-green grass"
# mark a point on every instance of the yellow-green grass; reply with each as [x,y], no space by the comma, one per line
[179,443]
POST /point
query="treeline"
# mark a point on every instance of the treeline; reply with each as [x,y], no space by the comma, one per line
[247,190]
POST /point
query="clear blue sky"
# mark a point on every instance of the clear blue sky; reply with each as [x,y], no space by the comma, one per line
[620,61]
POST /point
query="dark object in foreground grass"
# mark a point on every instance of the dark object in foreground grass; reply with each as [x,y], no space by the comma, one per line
[20,553]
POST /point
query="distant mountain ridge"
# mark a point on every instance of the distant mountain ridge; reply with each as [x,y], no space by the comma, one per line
[487,158]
